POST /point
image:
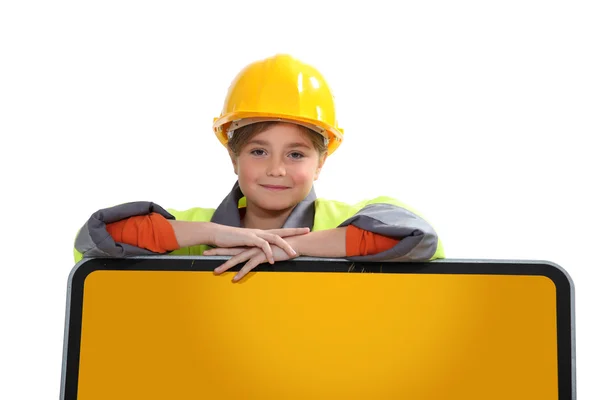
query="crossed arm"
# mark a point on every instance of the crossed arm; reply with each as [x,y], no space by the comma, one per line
[252,246]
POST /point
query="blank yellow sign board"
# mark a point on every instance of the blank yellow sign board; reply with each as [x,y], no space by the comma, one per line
[180,332]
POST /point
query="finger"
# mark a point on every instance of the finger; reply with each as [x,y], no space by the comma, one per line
[233,261]
[256,241]
[225,251]
[285,232]
[259,258]
[266,247]
[278,241]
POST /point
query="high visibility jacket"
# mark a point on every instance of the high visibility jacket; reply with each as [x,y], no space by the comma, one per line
[386,216]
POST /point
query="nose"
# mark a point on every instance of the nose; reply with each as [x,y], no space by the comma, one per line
[275,167]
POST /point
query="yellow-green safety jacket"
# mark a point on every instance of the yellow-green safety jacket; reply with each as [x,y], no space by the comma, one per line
[381,215]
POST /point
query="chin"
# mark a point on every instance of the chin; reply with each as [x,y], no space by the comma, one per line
[276,204]
[270,206]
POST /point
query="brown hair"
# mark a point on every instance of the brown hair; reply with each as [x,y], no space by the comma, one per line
[244,134]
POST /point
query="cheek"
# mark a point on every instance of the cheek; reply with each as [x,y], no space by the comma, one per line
[246,170]
[303,175]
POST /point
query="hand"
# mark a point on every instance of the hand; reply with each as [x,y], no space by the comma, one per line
[228,236]
[253,255]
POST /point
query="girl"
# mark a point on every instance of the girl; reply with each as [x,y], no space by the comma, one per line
[278,125]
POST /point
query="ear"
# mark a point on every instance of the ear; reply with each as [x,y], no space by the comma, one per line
[233,161]
[320,166]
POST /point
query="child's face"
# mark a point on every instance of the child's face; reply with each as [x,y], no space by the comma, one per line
[276,168]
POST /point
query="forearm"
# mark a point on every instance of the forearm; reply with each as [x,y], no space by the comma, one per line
[327,243]
[190,233]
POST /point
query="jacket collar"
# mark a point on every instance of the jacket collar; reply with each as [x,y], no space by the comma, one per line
[303,215]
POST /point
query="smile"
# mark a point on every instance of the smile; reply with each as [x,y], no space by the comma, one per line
[275,188]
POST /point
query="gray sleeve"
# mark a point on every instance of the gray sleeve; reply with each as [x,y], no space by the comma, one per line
[418,239]
[93,240]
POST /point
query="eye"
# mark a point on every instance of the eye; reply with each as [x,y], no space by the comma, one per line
[296,156]
[258,152]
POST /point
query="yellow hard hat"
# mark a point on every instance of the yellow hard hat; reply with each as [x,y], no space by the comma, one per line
[280,88]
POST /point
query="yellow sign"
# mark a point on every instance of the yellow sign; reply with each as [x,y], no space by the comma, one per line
[188,334]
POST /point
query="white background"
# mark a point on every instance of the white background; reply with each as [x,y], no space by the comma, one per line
[484,116]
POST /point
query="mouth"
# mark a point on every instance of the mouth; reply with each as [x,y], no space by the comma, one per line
[276,188]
